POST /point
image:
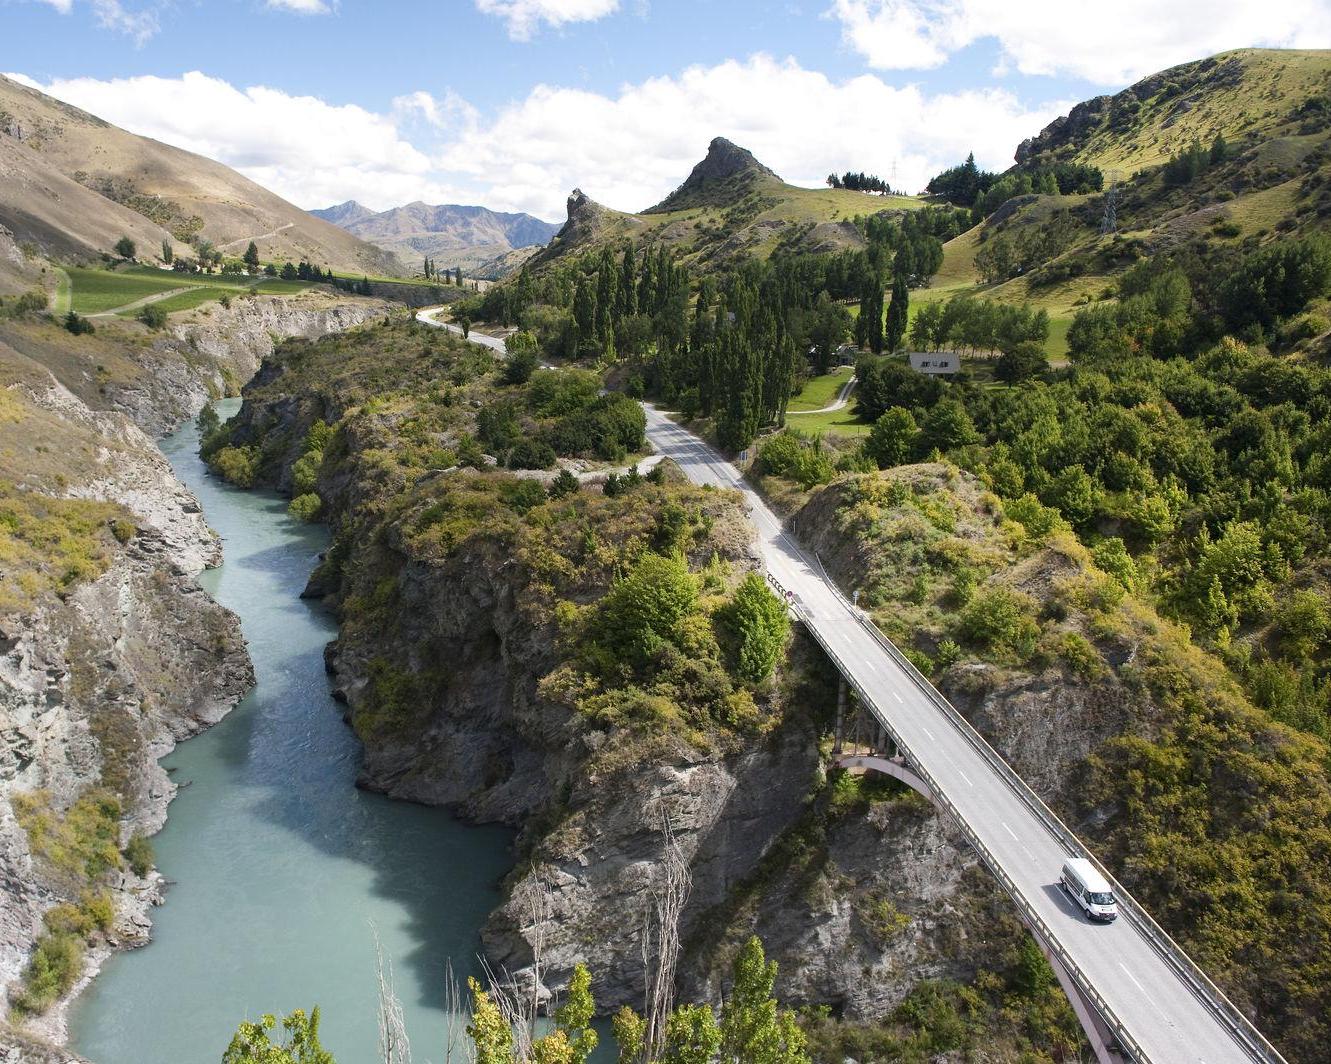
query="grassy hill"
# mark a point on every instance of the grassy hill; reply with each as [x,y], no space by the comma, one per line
[1271,108]
[730,208]
[79,182]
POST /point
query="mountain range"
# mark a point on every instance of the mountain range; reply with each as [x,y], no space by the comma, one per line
[450,234]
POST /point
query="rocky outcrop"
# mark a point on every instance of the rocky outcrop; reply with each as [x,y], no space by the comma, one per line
[219,348]
[128,469]
[724,170]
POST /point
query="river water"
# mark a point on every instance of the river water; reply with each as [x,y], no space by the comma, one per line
[282,870]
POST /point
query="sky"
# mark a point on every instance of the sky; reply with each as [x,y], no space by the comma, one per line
[513,103]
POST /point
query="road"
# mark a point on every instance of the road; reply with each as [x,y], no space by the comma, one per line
[842,398]
[431,317]
[1170,1021]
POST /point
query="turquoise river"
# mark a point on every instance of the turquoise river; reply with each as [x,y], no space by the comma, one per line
[282,870]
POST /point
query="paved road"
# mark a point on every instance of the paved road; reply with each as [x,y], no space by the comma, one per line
[431,317]
[842,398]
[1168,1020]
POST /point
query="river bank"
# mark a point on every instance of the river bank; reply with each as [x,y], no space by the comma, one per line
[281,869]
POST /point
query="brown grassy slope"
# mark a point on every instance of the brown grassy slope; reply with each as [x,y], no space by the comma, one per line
[232,207]
[43,207]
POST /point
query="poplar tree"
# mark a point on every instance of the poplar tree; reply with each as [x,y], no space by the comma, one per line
[898,313]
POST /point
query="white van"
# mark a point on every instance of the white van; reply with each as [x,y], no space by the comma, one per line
[1088,888]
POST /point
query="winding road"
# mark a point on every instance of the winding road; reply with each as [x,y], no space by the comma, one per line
[1156,1005]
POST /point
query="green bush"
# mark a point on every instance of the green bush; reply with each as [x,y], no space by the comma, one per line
[646,609]
[54,968]
[1000,620]
[237,465]
[153,316]
[306,507]
[139,854]
[1113,557]
[758,622]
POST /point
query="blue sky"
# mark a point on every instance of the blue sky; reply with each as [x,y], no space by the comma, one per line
[513,102]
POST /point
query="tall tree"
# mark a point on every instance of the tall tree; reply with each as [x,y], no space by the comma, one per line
[898,314]
[251,257]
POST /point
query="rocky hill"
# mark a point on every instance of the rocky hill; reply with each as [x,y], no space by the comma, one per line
[148,189]
[730,208]
[451,235]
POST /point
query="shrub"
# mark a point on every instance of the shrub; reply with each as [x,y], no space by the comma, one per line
[237,465]
[892,439]
[153,316]
[646,609]
[123,529]
[54,968]
[758,622]
[139,854]
[563,485]
[531,454]
[78,325]
[306,507]
[1000,619]
[1113,557]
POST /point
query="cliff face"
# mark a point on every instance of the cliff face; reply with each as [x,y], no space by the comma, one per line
[160,379]
[110,653]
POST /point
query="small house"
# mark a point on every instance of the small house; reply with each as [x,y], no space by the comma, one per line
[935,361]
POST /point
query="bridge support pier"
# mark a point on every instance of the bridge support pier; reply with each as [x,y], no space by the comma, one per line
[1097,1033]
[841,697]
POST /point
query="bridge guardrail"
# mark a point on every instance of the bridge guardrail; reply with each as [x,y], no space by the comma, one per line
[1252,1040]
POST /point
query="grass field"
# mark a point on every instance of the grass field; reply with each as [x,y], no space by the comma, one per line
[63,292]
[844,422]
[98,291]
[819,392]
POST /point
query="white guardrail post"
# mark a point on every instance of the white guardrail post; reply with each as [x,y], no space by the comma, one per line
[1251,1039]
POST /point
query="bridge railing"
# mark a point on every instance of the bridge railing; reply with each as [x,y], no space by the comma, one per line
[1252,1040]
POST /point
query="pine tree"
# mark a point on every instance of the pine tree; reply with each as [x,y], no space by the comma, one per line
[251,258]
[628,284]
[168,256]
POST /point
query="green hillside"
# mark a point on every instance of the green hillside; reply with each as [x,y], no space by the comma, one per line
[1212,158]
[730,208]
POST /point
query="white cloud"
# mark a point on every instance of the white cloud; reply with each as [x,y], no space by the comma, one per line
[112,15]
[301,7]
[525,17]
[311,152]
[627,150]
[1106,44]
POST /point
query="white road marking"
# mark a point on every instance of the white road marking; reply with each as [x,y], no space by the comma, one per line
[965,777]
[898,697]
[1132,977]
[928,733]
[1009,830]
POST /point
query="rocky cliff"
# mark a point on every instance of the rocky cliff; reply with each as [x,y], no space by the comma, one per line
[110,653]
[159,379]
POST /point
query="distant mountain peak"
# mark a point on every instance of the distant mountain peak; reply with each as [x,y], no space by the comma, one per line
[344,214]
[724,173]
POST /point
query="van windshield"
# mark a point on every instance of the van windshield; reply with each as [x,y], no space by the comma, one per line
[1100,899]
